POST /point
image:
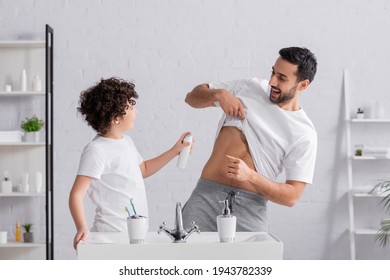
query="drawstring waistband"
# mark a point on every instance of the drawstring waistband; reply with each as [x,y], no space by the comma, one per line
[232,199]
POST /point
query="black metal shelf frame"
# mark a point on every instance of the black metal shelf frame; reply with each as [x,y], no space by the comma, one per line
[49,144]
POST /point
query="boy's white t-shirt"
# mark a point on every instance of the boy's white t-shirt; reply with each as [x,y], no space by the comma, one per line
[114,166]
[277,138]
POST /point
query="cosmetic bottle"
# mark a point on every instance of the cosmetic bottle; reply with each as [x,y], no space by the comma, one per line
[17,232]
[6,184]
[23,80]
[226,224]
[37,83]
[185,153]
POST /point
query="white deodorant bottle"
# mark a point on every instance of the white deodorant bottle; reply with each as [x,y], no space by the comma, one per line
[184,154]
[23,80]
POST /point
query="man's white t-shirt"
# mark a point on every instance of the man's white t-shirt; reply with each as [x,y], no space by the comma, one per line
[116,176]
[278,139]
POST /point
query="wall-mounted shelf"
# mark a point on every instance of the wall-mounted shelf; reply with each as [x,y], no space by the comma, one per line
[21,93]
[366,231]
[356,194]
[370,120]
[13,244]
[38,144]
[23,44]
[370,158]
[20,194]
[35,57]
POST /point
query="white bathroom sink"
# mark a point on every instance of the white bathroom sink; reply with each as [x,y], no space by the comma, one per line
[206,245]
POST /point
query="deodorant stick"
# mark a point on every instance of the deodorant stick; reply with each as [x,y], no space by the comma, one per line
[184,154]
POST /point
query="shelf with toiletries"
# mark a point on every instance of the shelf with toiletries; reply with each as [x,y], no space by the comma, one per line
[368,155]
[26,144]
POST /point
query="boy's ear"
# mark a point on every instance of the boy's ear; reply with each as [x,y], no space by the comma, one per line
[115,121]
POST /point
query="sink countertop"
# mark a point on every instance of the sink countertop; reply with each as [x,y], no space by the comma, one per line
[206,245]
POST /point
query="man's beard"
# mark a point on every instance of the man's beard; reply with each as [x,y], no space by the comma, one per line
[282,97]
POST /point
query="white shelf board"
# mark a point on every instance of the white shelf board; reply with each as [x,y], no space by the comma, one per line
[370,158]
[22,44]
[21,93]
[20,194]
[22,144]
[362,194]
[370,120]
[366,231]
[14,244]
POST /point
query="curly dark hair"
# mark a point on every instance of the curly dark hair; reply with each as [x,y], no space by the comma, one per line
[304,58]
[105,101]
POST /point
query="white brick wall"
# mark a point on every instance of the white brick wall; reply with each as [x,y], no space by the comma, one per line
[167,47]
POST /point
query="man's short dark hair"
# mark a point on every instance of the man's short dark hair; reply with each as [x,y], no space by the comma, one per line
[304,59]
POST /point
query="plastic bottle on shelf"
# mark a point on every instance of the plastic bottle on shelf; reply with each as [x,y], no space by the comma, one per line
[17,232]
[37,83]
[6,184]
[23,80]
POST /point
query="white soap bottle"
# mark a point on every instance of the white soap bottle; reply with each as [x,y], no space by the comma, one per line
[23,80]
[184,154]
[37,83]
[226,224]
[6,184]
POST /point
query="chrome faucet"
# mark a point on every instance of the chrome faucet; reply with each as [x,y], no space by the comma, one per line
[179,234]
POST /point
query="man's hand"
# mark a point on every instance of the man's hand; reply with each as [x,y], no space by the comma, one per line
[230,104]
[237,169]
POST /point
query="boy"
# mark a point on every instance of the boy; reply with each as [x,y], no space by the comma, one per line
[111,170]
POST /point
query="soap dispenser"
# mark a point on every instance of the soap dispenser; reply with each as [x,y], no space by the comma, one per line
[6,184]
[226,224]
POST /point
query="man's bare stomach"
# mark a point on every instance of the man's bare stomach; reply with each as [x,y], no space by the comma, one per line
[230,141]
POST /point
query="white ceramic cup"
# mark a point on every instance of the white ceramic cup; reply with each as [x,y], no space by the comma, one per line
[3,237]
[226,228]
[137,227]
[8,88]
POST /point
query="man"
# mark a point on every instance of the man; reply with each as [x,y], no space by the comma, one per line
[263,131]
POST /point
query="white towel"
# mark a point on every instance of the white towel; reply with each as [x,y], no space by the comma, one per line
[11,136]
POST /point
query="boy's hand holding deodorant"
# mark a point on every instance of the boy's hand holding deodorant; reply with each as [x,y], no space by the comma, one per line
[186,142]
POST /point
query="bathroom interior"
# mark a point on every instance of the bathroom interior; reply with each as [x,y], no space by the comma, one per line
[168,47]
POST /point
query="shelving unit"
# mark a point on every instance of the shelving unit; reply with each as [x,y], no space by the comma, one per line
[20,157]
[353,195]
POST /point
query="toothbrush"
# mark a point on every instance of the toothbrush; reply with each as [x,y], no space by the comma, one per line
[128,212]
[132,205]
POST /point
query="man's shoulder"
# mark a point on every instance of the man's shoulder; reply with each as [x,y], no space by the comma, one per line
[252,86]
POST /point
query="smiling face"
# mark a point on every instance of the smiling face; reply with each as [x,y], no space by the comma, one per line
[285,87]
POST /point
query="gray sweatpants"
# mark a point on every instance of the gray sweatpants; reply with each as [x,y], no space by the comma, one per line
[203,207]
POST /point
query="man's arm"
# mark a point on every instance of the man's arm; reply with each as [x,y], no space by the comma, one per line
[287,193]
[202,96]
